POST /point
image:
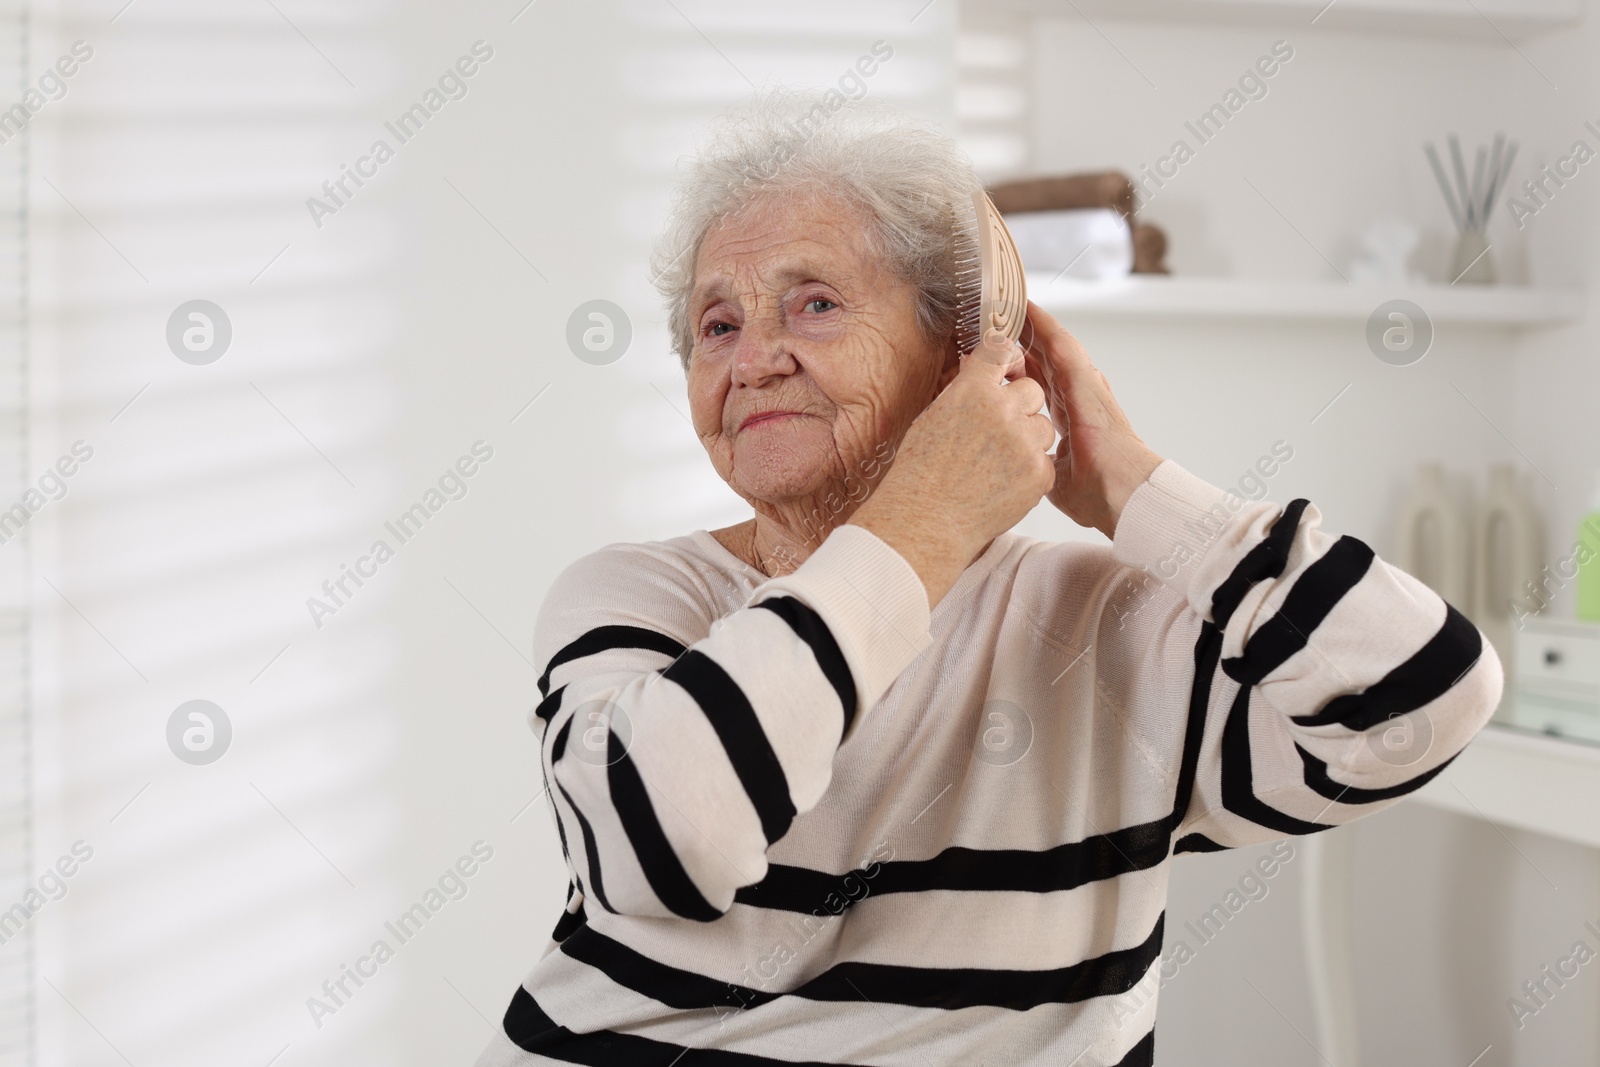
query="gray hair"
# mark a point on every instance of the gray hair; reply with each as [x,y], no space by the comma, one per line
[908,176]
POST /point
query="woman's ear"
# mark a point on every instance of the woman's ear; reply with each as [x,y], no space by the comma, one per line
[950,367]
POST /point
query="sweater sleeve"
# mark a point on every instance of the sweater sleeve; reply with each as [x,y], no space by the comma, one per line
[1324,684]
[678,747]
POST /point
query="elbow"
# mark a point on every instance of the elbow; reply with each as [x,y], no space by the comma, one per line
[1469,702]
[1467,681]
[648,859]
[683,886]
[1481,688]
[697,875]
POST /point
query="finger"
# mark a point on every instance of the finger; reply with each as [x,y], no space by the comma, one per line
[1026,396]
[1043,430]
[1056,344]
[1044,326]
[1000,351]
[1037,368]
[1040,371]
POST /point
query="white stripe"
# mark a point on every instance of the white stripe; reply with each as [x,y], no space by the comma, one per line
[796,705]
[991,930]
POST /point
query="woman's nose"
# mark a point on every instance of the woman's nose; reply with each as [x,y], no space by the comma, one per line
[763,351]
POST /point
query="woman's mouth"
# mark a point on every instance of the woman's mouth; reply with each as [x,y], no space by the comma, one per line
[763,417]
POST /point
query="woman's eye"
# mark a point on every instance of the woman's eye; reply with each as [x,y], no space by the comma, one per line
[718,329]
[819,305]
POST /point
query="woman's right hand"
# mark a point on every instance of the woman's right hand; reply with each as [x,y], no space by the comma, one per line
[971,465]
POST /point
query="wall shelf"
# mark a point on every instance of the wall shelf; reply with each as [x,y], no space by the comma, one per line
[1243,298]
[1489,20]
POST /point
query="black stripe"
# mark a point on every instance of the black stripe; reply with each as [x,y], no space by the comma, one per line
[800,889]
[530,1029]
[728,711]
[603,638]
[1238,776]
[591,851]
[561,831]
[1317,778]
[1133,848]
[1265,560]
[1314,594]
[676,988]
[1197,843]
[1141,1055]
[1207,651]
[548,706]
[1425,677]
[808,625]
[1110,974]
[961,869]
[661,866]
[569,922]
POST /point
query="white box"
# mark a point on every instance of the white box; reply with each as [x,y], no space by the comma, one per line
[1556,678]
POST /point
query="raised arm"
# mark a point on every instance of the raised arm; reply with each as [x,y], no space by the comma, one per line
[676,746]
[1324,684]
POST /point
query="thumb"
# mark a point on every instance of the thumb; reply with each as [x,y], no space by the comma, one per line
[995,358]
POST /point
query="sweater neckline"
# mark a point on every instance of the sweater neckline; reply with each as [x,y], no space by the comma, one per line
[975,572]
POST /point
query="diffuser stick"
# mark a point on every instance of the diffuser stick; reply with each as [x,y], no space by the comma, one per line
[1479,212]
[1444,185]
[1505,168]
[1461,179]
[1496,155]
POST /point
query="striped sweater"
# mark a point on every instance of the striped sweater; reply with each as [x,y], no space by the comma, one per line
[805,820]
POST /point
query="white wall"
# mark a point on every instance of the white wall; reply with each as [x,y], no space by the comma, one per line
[1554,374]
[368,356]
[1452,914]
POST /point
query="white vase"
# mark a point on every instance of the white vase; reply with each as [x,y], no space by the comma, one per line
[1473,263]
[1431,538]
[1508,550]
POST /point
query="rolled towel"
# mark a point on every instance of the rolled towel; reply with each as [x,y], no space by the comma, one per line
[1089,243]
[1109,189]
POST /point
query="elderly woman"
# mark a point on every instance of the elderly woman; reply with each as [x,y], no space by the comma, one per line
[868,779]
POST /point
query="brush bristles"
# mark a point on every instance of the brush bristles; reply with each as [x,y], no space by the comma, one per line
[968,275]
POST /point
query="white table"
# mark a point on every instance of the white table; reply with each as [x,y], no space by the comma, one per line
[1505,776]
[1529,781]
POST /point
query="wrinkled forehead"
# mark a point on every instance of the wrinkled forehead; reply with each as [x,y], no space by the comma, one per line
[773,244]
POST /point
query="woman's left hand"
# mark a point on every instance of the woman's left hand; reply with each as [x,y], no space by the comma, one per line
[1100,460]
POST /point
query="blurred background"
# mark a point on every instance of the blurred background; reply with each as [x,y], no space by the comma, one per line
[232,461]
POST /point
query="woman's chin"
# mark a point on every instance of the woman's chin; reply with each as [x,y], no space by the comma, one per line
[777,476]
[777,487]
[783,459]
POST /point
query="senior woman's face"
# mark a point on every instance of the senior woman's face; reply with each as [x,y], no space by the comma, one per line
[807,356]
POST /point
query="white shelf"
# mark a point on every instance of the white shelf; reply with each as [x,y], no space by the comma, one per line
[1525,780]
[1490,20]
[1244,298]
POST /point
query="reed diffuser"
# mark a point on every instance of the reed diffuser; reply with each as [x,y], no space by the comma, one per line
[1470,203]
